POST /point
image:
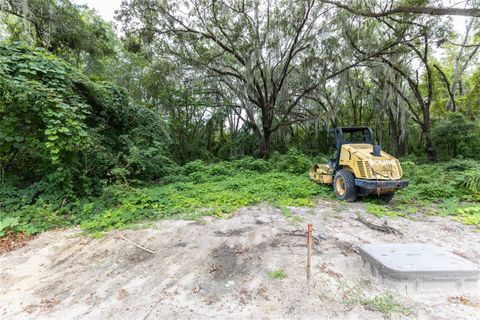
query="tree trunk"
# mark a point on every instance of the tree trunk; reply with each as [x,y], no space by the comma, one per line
[428,140]
[264,150]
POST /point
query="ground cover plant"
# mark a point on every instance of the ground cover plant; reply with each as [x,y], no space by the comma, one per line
[386,303]
[198,189]
[192,191]
[277,274]
[442,189]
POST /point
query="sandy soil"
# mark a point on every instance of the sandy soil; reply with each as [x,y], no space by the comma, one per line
[218,269]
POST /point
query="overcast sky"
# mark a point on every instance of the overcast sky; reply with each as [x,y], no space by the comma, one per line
[106,9]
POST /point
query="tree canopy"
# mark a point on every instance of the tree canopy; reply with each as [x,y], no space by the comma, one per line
[86,103]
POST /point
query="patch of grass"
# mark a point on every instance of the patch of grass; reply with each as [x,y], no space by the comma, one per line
[469,215]
[435,182]
[277,274]
[386,304]
[409,209]
[441,189]
[447,207]
[192,200]
[381,210]
[293,218]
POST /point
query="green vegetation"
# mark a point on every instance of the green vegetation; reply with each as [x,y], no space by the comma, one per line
[380,210]
[164,122]
[198,189]
[454,179]
[295,219]
[442,189]
[277,274]
[64,135]
[386,303]
[192,191]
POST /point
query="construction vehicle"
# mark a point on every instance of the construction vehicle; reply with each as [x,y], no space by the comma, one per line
[359,167]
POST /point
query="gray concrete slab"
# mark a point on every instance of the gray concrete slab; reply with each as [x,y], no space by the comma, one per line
[420,267]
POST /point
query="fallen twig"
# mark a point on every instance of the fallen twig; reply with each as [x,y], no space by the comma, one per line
[382,228]
[147,314]
[301,233]
[136,245]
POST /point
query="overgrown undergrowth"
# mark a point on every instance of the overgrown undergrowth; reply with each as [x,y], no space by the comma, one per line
[442,189]
[198,189]
[195,190]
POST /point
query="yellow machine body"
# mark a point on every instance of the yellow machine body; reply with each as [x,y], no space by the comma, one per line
[359,159]
[359,167]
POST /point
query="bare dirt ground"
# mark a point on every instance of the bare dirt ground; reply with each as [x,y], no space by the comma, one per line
[218,269]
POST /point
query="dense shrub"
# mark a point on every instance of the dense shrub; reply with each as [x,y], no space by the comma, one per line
[436,182]
[293,162]
[252,164]
[455,136]
[63,133]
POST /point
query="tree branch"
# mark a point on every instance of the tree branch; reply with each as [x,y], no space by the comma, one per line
[433,11]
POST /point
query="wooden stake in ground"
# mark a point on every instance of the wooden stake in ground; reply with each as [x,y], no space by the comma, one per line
[309,254]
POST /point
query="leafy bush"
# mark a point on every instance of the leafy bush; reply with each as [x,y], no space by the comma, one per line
[252,164]
[436,182]
[456,135]
[292,162]
[470,215]
[435,190]
[8,224]
[471,180]
[61,132]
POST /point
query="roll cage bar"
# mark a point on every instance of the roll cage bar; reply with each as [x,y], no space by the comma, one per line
[340,133]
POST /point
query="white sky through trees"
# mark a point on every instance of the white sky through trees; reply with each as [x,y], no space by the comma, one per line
[106,9]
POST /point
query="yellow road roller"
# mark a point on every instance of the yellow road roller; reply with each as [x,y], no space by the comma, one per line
[359,167]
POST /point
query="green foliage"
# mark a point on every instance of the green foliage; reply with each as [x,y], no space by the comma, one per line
[434,182]
[471,180]
[456,135]
[72,31]
[277,274]
[41,115]
[215,194]
[198,189]
[252,164]
[381,210]
[61,133]
[448,207]
[386,303]
[293,218]
[8,224]
[293,162]
[439,189]
[190,192]
[470,215]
